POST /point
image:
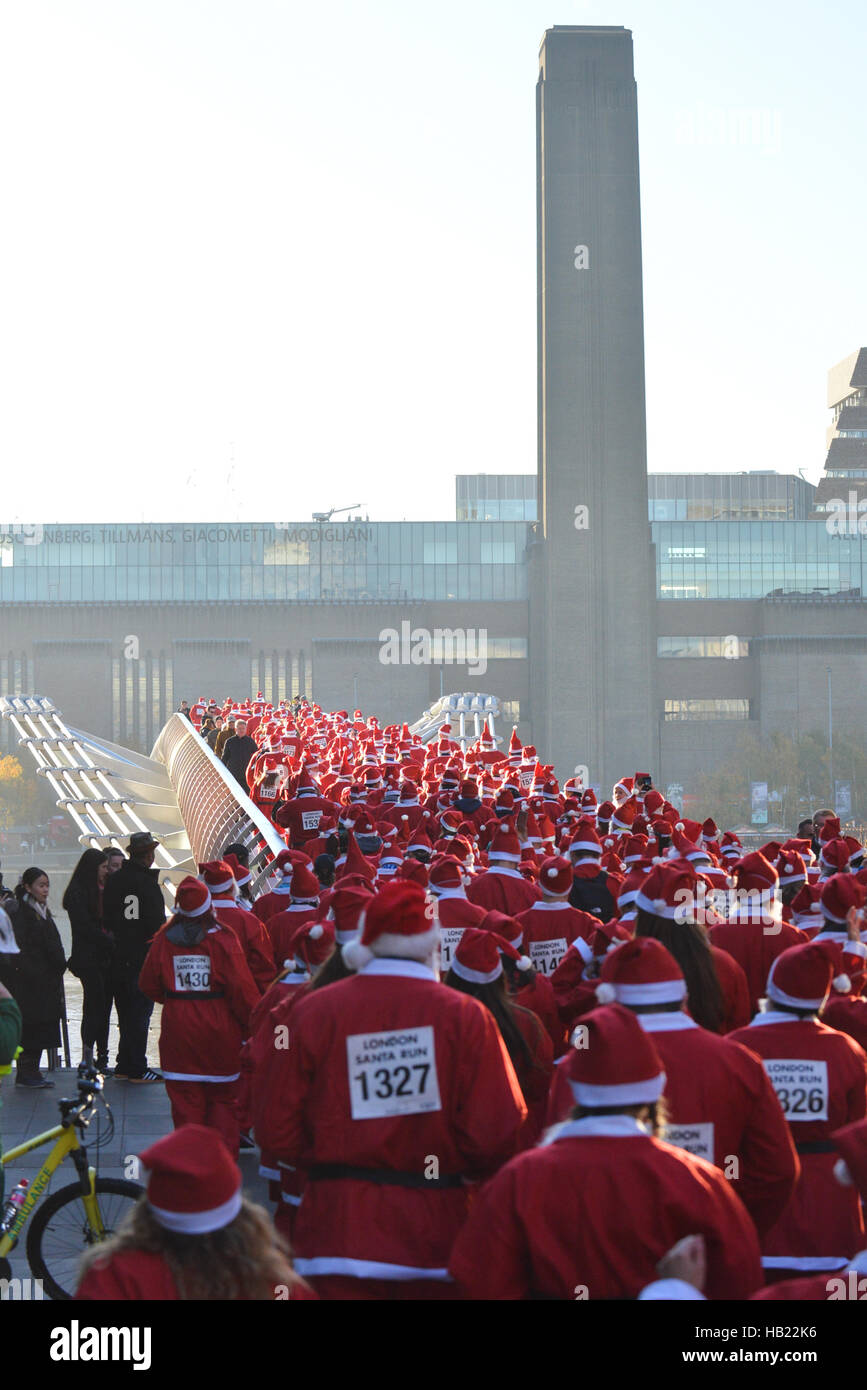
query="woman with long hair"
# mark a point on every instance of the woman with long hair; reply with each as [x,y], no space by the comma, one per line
[92,952]
[35,975]
[193,1236]
[477,970]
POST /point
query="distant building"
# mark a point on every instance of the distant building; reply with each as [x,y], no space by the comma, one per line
[846,461]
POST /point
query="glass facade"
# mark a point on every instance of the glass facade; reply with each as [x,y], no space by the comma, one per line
[496,497]
[728,497]
[729,647]
[757,559]
[707,709]
[292,563]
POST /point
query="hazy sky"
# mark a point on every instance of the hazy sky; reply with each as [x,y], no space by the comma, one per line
[262,258]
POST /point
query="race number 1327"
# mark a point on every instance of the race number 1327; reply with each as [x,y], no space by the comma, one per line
[392,1073]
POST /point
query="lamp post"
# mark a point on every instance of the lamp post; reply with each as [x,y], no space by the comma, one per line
[833,801]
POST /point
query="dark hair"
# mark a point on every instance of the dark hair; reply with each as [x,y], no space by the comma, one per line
[657,1119]
[323,868]
[84,879]
[808,833]
[241,853]
[334,969]
[688,944]
[791,890]
[498,1003]
[28,878]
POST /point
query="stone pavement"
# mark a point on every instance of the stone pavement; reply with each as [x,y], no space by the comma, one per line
[141,1115]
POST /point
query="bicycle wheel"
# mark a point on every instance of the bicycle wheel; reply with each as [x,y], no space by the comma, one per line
[60,1231]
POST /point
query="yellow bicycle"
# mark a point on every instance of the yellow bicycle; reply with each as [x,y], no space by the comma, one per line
[75,1217]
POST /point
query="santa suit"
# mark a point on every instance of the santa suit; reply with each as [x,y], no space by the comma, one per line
[385,1070]
[820,1077]
[282,926]
[537,994]
[534,1076]
[594,1208]
[253,937]
[735,991]
[721,1107]
[573,993]
[402,813]
[301,817]
[755,946]
[454,912]
[849,1282]
[133,1276]
[502,890]
[550,926]
[207,993]
[276,901]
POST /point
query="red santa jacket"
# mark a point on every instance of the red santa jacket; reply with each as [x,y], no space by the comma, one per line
[281,926]
[534,1074]
[549,929]
[207,993]
[301,817]
[820,1077]
[848,1283]
[503,890]
[755,946]
[721,1107]
[388,1072]
[253,936]
[133,1275]
[455,912]
[735,990]
[591,1211]
[276,901]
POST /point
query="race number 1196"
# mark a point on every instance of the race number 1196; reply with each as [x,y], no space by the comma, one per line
[392,1073]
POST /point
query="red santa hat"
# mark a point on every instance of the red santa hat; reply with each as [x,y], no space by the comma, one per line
[515,746]
[419,840]
[622,817]
[755,874]
[588,797]
[194,1184]
[839,894]
[346,904]
[355,862]
[192,898]
[623,788]
[830,830]
[619,1065]
[802,975]
[305,886]
[478,957]
[635,849]
[218,878]
[851,1144]
[398,922]
[469,788]
[503,926]
[686,838]
[641,971]
[834,857]
[505,844]
[312,943]
[668,890]
[585,838]
[730,846]
[414,871]
[791,868]
[240,874]
[446,874]
[604,811]
[555,876]
[806,907]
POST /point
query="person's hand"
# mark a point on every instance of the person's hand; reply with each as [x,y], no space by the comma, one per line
[687,1261]
[854,920]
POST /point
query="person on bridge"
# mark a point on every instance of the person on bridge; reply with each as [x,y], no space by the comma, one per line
[237,752]
[92,953]
[133,910]
[35,975]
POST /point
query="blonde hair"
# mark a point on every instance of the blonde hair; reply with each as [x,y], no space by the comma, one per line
[247,1259]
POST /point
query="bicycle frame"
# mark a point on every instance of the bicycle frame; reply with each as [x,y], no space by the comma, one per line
[67,1142]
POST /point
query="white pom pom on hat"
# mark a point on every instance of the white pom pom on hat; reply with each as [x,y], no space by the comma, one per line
[842,984]
[316,931]
[606,993]
[523,963]
[355,956]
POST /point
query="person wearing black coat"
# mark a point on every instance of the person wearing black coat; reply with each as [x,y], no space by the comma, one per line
[92,953]
[35,975]
[133,910]
[238,751]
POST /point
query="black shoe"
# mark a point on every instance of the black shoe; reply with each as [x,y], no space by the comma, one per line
[35,1083]
[149,1075]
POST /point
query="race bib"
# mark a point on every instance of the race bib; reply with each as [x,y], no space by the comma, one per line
[801,1085]
[392,1073]
[310,820]
[547,955]
[268,793]
[192,972]
[696,1139]
[526,777]
[449,938]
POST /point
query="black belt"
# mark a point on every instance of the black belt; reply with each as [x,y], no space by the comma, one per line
[820,1146]
[195,994]
[383,1177]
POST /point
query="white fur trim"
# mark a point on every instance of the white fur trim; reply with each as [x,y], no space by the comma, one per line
[623,1093]
[418,947]
[199,1223]
[842,1174]
[657,992]
[477,977]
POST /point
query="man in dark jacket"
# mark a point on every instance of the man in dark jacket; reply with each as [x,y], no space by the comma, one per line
[133,910]
[238,751]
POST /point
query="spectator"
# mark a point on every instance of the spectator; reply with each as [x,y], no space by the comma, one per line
[194,1236]
[133,910]
[184,708]
[92,952]
[113,859]
[215,731]
[819,818]
[36,975]
[10,1017]
[238,751]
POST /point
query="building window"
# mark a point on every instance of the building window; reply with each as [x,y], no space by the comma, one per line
[707,709]
[510,711]
[729,647]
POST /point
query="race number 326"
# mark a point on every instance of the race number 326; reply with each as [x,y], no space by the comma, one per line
[392,1073]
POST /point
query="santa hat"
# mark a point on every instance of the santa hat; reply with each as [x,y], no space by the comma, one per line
[469,788]
[653,802]
[830,830]
[287,859]
[668,890]
[641,972]
[730,846]
[851,1144]
[388,865]
[446,874]
[478,957]
[686,837]
[312,943]
[240,874]
[355,862]
[555,875]
[505,844]
[414,871]
[791,868]
[419,840]
[515,746]
[218,878]
[834,856]
[588,798]
[192,898]
[604,812]
[634,849]
[622,817]
[806,908]
[709,830]
[839,894]
[623,788]
[304,886]
[346,904]
[503,926]
[194,1184]
[802,975]
[619,1064]
[398,922]
[585,838]
[755,874]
